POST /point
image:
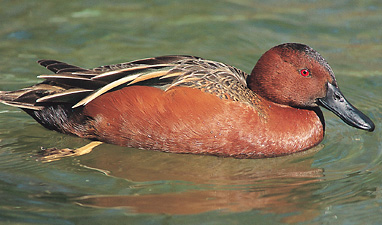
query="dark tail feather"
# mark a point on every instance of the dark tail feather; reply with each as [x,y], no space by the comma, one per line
[59,117]
[59,67]
[23,98]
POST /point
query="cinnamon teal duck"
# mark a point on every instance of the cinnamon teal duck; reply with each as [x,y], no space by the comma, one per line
[186,104]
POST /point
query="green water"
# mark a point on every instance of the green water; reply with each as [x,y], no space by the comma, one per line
[340,182]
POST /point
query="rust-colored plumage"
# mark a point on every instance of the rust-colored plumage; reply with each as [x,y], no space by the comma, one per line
[186,104]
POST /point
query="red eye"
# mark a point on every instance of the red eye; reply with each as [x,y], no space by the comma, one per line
[304,72]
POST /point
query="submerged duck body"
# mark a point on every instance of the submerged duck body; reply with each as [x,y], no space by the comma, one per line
[186,104]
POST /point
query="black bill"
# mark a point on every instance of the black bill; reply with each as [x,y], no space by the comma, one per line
[336,102]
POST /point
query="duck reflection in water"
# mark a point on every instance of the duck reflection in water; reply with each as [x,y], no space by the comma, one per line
[200,184]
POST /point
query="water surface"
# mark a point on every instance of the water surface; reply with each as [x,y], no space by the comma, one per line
[339,182]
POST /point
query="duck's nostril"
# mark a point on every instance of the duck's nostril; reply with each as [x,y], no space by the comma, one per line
[338,96]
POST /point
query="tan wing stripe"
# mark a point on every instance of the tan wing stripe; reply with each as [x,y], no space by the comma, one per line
[129,69]
[60,76]
[85,74]
[134,79]
[70,91]
[172,75]
[22,105]
[148,76]
[105,89]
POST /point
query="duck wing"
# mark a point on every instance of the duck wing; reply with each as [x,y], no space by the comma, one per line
[78,86]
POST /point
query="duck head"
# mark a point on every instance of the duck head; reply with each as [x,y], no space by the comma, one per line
[296,75]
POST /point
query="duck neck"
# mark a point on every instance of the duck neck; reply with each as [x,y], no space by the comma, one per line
[295,129]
